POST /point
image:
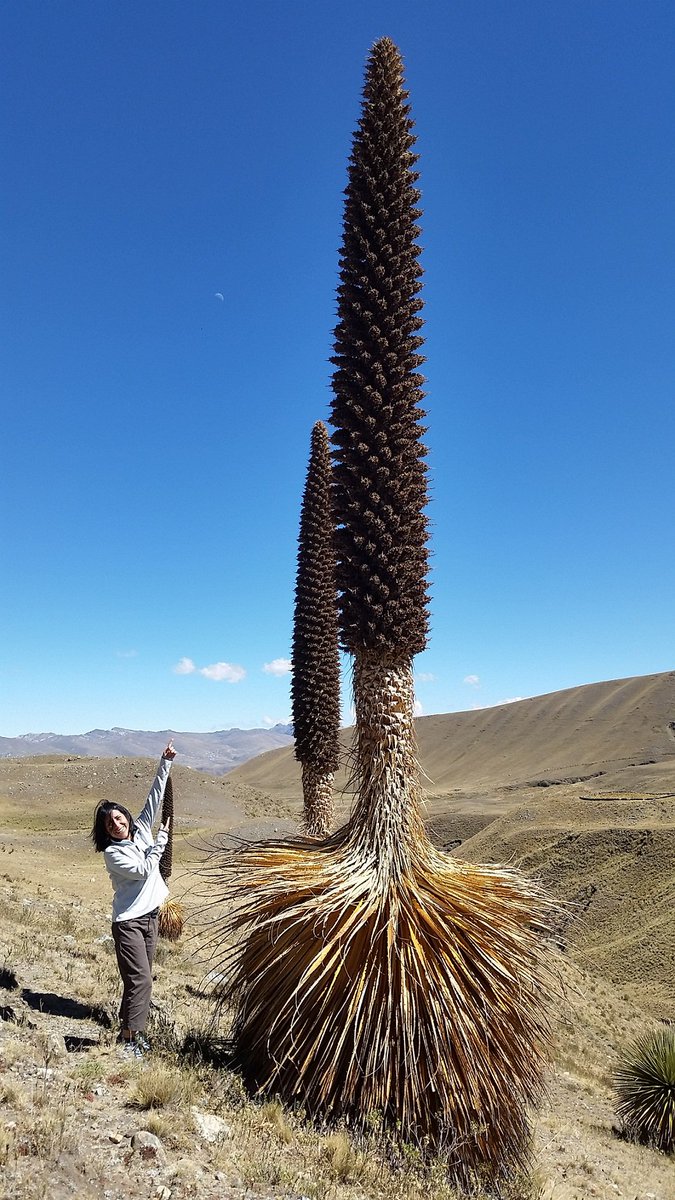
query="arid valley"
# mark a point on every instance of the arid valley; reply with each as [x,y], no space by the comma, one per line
[577,787]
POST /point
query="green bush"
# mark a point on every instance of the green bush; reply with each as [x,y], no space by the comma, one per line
[644,1083]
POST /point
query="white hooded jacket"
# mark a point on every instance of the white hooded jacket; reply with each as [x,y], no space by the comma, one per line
[133,864]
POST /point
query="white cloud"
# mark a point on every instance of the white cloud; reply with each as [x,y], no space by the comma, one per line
[472,680]
[418,711]
[127,654]
[278,666]
[425,677]
[230,672]
[184,667]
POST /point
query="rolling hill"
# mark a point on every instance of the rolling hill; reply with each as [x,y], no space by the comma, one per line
[577,786]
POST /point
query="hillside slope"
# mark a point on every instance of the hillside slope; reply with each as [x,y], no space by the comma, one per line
[578,786]
[584,730]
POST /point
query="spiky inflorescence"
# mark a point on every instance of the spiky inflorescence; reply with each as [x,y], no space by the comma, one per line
[171,915]
[315,686]
[645,1086]
[381,477]
[166,861]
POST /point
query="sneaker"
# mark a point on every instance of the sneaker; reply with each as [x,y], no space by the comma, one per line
[141,1040]
[131,1049]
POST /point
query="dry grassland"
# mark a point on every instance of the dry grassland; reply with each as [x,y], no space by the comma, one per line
[71,1109]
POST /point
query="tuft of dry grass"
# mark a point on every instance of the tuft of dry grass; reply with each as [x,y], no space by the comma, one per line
[87,1073]
[273,1114]
[162,1124]
[13,1094]
[346,1163]
[13,1050]
[159,1085]
[53,1126]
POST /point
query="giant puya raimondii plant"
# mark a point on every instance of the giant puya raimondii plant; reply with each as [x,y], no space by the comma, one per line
[375,974]
[315,685]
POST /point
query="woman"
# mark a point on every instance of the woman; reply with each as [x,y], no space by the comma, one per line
[132,860]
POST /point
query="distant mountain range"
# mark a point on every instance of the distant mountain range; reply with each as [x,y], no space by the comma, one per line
[216,752]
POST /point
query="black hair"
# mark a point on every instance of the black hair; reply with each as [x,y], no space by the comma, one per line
[99,834]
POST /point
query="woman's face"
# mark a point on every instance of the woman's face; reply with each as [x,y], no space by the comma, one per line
[117,825]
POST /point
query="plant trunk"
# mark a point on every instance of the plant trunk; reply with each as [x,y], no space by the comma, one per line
[317,789]
[386,823]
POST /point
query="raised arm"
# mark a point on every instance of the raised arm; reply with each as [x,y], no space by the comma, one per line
[148,815]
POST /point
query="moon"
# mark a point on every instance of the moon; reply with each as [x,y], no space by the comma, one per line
[219,296]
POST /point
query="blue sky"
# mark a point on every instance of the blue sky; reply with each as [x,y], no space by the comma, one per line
[171,216]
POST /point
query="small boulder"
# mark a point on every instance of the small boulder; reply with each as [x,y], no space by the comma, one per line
[210,1127]
[53,1045]
[148,1147]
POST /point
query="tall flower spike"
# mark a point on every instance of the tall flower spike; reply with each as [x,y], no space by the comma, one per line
[381,477]
[171,915]
[315,686]
[166,860]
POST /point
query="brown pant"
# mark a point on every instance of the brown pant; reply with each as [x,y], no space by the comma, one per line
[135,943]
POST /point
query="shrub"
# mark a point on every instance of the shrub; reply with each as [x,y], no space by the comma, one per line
[644,1083]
